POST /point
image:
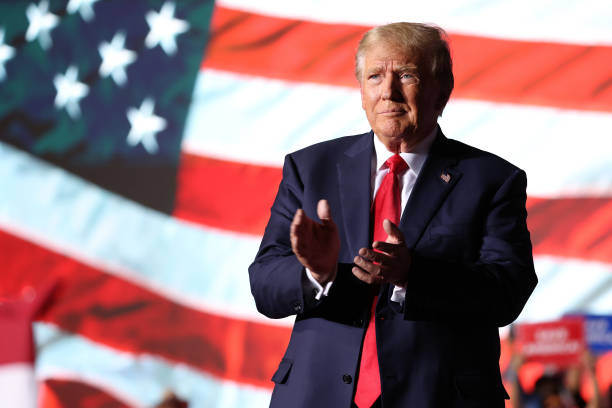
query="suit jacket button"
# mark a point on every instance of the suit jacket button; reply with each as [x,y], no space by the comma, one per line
[347,379]
[297,308]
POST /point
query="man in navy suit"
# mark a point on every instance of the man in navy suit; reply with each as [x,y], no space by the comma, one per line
[456,267]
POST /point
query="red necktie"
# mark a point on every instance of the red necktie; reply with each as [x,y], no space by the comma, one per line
[387,204]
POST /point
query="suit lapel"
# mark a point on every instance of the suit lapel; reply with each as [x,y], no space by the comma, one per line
[354,174]
[435,181]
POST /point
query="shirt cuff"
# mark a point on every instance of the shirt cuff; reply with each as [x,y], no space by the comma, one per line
[316,288]
[398,295]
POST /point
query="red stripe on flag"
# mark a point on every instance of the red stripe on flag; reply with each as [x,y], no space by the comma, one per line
[237,197]
[282,48]
[125,316]
[233,196]
[577,227]
[539,73]
[67,393]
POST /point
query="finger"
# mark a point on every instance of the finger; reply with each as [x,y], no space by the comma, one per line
[394,235]
[367,266]
[371,255]
[297,217]
[323,210]
[324,213]
[296,222]
[386,247]
[364,276]
[298,231]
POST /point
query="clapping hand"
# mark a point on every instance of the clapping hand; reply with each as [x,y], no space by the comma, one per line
[316,245]
[388,261]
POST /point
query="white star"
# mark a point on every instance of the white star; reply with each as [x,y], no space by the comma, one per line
[70,91]
[6,53]
[115,58]
[41,22]
[84,7]
[145,124]
[164,28]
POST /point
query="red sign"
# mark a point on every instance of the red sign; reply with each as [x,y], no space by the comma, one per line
[560,342]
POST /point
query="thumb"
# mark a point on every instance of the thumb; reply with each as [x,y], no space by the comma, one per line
[323,210]
[394,235]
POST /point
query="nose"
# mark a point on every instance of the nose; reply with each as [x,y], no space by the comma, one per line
[390,88]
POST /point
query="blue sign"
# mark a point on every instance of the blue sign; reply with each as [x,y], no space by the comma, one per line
[598,332]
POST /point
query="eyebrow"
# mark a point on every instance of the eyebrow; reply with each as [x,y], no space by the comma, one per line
[401,68]
[406,68]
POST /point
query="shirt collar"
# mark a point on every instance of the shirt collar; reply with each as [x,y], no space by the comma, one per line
[415,159]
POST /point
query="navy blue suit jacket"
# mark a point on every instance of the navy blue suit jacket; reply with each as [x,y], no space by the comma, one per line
[472,272]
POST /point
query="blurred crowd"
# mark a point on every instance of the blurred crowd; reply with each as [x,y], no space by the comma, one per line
[170,400]
[574,386]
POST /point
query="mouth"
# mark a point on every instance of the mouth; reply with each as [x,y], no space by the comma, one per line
[392,112]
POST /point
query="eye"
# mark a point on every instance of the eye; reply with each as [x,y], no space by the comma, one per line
[374,76]
[407,77]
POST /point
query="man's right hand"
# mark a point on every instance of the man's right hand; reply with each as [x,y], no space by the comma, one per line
[316,245]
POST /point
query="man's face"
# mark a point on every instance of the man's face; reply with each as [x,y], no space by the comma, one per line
[400,103]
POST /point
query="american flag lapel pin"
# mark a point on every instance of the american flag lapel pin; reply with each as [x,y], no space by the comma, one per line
[445,177]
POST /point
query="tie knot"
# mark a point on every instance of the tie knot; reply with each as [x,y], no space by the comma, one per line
[396,164]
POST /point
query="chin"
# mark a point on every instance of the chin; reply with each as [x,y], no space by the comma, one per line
[390,136]
[396,133]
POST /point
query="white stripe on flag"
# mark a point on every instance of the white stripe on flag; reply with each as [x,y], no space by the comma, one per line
[568,286]
[568,21]
[256,120]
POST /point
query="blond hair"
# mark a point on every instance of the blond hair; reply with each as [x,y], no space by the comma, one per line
[427,43]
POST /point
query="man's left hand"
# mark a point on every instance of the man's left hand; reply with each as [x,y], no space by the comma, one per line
[388,261]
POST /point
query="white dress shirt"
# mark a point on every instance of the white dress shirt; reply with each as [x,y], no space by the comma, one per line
[415,160]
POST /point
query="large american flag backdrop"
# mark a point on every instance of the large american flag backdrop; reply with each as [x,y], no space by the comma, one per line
[140,151]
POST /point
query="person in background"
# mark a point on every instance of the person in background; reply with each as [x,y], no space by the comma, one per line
[554,389]
[573,381]
[170,400]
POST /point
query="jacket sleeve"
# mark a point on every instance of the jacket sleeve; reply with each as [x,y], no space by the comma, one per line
[494,288]
[276,274]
